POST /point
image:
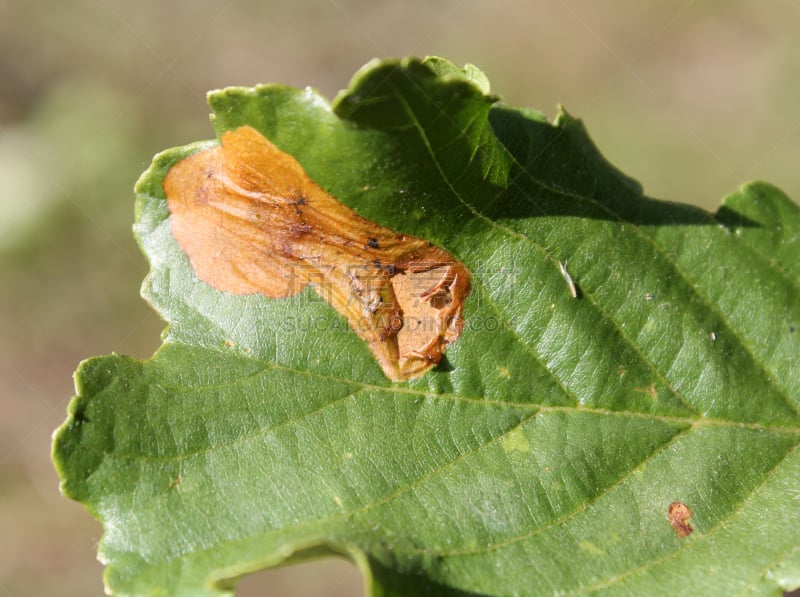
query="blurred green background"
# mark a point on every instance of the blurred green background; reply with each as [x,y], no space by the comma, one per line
[690,97]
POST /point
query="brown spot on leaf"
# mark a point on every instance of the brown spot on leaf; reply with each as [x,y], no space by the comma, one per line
[649,390]
[679,515]
[251,221]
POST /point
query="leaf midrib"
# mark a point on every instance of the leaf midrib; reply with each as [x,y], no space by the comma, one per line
[361,386]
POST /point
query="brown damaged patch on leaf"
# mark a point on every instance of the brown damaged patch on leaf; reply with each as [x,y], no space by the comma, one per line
[679,515]
[251,221]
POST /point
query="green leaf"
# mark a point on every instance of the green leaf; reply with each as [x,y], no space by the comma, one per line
[542,455]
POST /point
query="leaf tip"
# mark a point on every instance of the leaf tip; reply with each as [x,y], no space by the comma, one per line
[469,72]
[413,68]
[760,188]
[564,118]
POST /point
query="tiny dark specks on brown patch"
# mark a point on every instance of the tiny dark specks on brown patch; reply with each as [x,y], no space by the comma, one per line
[679,515]
[250,221]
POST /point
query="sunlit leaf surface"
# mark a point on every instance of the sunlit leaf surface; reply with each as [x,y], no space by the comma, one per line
[620,355]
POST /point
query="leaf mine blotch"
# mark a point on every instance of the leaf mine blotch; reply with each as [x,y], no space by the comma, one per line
[250,221]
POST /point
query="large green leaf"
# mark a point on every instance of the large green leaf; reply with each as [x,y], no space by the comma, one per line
[541,456]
